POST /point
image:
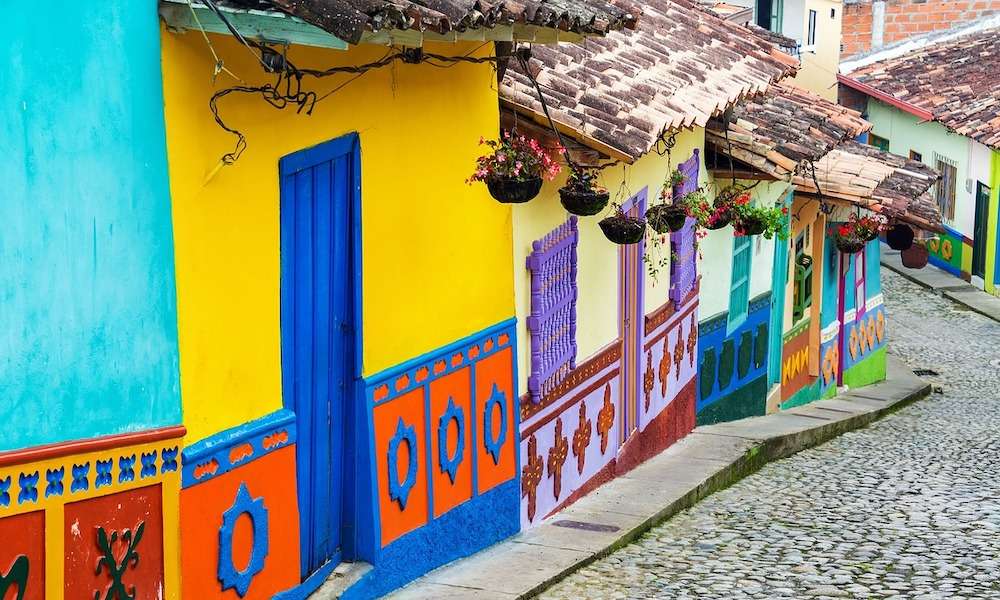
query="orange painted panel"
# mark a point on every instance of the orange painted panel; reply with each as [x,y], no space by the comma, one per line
[271,477]
[396,520]
[496,370]
[119,516]
[23,553]
[456,387]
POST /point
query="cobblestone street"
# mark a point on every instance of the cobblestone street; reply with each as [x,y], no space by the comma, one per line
[906,508]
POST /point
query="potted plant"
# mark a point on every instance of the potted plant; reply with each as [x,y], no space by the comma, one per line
[670,215]
[514,169]
[581,195]
[868,227]
[757,220]
[847,239]
[899,236]
[715,215]
[915,257]
[620,228]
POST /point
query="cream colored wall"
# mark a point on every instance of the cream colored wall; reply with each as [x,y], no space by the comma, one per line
[819,64]
[597,258]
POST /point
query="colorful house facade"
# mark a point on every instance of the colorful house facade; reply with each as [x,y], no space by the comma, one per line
[944,122]
[608,335]
[267,341]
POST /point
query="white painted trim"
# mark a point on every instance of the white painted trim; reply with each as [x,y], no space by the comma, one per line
[874,302]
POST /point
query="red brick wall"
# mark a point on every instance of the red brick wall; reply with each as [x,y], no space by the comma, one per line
[906,18]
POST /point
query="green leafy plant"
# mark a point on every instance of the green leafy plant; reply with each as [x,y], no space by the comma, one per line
[750,219]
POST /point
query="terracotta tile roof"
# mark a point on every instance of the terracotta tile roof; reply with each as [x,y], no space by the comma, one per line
[349,20]
[884,183]
[681,66]
[956,81]
[779,129]
[781,41]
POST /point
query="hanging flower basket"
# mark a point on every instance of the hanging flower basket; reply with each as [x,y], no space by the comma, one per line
[719,219]
[666,218]
[915,257]
[899,237]
[581,196]
[514,169]
[751,226]
[514,191]
[850,245]
[623,229]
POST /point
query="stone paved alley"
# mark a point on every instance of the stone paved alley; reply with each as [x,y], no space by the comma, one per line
[906,508]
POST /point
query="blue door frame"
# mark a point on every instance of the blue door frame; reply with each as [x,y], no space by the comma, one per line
[321,334]
[779,282]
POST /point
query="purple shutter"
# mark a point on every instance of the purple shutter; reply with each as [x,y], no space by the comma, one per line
[684,270]
[552,324]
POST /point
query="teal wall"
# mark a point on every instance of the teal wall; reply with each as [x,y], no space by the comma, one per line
[88,334]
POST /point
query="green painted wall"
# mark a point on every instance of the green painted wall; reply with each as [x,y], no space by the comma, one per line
[906,132]
[805,395]
[868,371]
[748,401]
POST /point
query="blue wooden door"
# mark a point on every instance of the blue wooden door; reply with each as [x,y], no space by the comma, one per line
[319,187]
[778,283]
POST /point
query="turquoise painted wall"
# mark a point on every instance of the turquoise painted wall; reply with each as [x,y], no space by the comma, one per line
[88,334]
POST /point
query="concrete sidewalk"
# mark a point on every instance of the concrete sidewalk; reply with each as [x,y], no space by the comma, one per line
[708,459]
[944,283]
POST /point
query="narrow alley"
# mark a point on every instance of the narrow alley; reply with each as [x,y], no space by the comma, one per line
[906,508]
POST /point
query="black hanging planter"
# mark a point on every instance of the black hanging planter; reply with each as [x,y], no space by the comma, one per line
[899,237]
[850,245]
[623,229]
[514,191]
[752,226]
[583,202]
[915,257]
[721,221]
[666,218]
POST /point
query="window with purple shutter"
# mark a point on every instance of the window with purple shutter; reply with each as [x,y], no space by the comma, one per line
[552,324]
[683,269]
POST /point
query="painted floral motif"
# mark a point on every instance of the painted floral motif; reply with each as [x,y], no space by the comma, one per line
[557,458]
[830,365]
[853,343]
[80,478]
[692,344]
[664,370]
[5,491]
[126,468]
[679,351]
[871,332]
[116,570]
[581,438]
[148,465]
[103,473]
[605,418]
[28,483]
[648,379]
[54,481]
[880,326]
[531,476]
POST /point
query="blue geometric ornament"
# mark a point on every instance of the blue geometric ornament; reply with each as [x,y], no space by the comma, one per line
[255,509]
[450,464]
[400,490]
[493,445]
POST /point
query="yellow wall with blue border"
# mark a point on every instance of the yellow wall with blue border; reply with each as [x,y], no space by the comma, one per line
[436,252]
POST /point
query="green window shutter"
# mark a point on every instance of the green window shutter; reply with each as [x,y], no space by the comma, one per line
[739,288]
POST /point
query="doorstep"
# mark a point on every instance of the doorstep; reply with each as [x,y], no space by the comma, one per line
[708,459]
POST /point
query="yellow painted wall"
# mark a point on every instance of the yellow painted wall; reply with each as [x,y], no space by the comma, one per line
[819,64]
[597,258]
[436,252]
